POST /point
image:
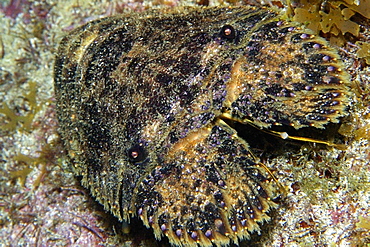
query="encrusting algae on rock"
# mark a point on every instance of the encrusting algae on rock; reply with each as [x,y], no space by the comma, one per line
[146,104]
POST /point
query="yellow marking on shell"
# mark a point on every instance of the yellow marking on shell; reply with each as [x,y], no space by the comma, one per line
[152,129]
[191,140]
[211,50]
[233,87]
[86,41]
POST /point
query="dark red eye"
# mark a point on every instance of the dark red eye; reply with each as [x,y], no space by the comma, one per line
[137,153]
[228,32]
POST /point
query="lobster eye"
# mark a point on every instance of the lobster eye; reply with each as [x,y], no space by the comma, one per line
[228,32]
[137,153]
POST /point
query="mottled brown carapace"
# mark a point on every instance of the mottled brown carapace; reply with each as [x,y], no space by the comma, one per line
[142,100]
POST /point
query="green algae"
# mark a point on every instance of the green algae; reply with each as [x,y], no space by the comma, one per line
[23,122]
